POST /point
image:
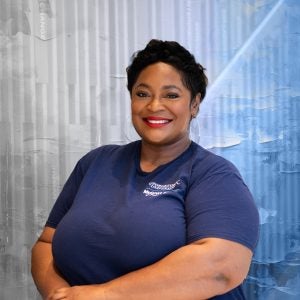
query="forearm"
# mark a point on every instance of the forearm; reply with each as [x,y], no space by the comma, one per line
[199,271]
[44,273]
[189,273]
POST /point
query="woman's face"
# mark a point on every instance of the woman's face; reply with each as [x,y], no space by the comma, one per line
[161,105]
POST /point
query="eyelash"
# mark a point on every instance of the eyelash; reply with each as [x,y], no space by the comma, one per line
[168,96]
[141,94]
[172,96]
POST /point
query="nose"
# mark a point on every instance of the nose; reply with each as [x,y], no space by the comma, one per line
[155,104]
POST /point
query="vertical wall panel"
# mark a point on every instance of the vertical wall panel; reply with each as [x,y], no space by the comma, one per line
[63,92]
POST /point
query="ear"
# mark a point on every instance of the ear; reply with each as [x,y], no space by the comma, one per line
[195,105]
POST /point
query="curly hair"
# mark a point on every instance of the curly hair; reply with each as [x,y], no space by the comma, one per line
[172,53]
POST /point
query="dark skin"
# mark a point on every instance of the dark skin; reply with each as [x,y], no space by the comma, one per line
[161,113]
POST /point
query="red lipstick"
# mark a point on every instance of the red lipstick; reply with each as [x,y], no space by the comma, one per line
[156,122]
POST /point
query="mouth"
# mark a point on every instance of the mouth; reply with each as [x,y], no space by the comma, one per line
[156,122]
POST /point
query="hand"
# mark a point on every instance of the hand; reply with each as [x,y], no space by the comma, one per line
[83,292]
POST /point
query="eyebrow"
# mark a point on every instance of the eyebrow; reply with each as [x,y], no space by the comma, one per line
[165,87]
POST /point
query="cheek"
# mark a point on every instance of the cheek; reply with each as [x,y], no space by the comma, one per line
[135,113]
[135,108]
[183,113]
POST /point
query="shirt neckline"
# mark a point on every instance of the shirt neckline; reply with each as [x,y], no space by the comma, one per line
[138,155]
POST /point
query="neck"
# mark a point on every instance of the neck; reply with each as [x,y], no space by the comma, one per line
[153,156]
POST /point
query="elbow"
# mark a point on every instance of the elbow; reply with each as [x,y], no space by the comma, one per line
[227,273]
[32,263]
[229,263]
[230,277]
[228,281]
[37,255]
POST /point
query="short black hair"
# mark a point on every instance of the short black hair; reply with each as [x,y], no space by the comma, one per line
[172,53]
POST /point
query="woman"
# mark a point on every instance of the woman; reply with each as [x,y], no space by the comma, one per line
[160,218]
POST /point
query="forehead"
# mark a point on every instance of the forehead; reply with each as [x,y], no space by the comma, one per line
[160,73]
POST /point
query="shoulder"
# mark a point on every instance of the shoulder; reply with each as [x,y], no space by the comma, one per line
[107,152]
[219,203]
[207,163]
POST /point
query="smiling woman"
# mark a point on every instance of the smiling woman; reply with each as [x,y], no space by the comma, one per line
[159,218]
[162,109]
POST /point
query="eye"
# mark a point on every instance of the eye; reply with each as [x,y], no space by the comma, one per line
[141,94]
[172,96]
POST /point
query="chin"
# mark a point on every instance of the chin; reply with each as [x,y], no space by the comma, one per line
[159,142]
[154,141]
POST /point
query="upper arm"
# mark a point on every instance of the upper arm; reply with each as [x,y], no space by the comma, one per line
[222,219]
[221,206]
[66,197]
[47,235]
[231,260]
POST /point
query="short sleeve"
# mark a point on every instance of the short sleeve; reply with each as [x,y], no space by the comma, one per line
[70,189]
[220,205]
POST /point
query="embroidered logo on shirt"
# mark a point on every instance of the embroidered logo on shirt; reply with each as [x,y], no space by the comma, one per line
[154,189]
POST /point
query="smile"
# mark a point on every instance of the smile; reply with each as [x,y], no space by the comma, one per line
[156,122]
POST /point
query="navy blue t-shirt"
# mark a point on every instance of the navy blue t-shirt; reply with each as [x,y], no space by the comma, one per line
[112,218]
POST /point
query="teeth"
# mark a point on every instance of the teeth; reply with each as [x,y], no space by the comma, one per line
[158,121]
